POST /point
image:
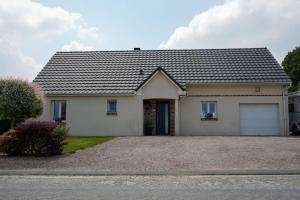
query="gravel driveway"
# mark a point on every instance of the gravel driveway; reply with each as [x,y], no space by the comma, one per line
[174,153]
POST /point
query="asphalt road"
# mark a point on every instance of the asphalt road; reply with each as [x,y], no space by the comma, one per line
[150,187]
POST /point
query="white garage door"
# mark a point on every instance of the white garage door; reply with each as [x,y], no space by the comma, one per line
[259,119]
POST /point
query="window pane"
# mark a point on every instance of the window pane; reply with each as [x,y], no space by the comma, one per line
[112,106]
[63,110]
[209,109]
[212,108]
[59,110]
[204,109]
[55,110]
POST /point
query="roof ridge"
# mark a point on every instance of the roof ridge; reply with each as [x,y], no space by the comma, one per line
[191,49]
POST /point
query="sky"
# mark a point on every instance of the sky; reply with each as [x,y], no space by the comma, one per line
[31,31]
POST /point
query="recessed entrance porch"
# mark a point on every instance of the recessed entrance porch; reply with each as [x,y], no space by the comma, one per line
[159,116]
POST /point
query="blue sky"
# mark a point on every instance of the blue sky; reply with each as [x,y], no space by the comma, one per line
[134,23]
[31,31]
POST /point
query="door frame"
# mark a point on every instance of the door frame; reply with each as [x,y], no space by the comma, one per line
[169,121]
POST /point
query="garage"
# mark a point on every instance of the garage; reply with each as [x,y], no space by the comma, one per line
[259,119]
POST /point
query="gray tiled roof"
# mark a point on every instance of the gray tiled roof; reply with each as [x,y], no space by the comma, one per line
[118,72]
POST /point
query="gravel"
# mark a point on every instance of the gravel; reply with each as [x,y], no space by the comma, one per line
[174,153]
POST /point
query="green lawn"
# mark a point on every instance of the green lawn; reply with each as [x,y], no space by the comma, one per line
[81,142]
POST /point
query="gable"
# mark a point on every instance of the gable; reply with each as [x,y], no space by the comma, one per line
[159,87]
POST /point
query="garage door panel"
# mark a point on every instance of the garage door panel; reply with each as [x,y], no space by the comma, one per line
[259,119]
[257,122]
[259,130]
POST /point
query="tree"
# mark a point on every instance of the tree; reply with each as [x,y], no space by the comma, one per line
[291,65]
[19,100]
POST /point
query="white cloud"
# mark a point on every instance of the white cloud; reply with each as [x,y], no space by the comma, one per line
[88,33]
[242,23]
[26,24]
[77,46]
[21,17]
[14,63]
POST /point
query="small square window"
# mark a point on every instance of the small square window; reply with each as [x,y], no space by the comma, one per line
[112,107]
[209,110]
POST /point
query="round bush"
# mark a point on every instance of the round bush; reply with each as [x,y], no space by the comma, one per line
[36,138]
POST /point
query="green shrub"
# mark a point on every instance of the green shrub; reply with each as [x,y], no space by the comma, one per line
[36,138]
[61,131]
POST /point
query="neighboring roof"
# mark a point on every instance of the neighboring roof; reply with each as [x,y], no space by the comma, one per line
[294,94]
[118,72]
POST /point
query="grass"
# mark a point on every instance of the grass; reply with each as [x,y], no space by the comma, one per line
[75,143]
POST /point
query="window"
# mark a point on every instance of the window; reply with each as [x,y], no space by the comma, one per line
[112,107]
[209,110]
[59,110]
[291,107]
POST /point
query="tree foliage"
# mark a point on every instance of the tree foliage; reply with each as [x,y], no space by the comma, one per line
[291,65]
[19,100]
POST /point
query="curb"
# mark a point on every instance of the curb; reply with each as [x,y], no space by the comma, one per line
[147,173]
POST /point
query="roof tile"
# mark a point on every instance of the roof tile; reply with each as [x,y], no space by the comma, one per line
[117,72]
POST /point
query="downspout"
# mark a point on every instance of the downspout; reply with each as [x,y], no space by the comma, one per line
[285,114]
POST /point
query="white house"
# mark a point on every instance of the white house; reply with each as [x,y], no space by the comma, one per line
[167,92]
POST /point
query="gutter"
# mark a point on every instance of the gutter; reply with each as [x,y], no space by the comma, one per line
[91,95]
[246,83]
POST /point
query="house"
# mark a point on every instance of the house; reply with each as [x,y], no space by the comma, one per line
[294,111]
[167,92]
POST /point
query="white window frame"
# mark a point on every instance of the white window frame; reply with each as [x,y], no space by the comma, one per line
[208,111]
[109,112]
[59,108]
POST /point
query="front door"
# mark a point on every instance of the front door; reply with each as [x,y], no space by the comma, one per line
[162,118]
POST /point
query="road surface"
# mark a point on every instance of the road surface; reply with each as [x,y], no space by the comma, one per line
[150,187]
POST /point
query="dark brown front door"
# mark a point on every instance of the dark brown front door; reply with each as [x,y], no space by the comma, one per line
[163,118]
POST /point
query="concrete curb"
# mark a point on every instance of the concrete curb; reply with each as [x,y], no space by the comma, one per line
[147,173]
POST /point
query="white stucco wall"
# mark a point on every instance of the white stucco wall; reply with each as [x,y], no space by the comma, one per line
[228,122]
[87,115]
[159,87]
[235,90]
